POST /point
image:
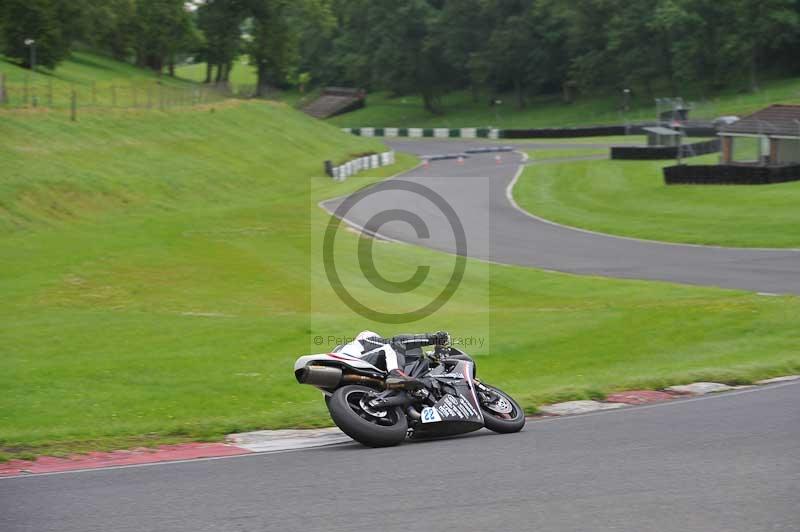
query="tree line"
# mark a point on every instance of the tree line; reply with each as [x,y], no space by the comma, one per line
[429,47]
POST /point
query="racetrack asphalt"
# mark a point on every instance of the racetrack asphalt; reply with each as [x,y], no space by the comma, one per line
[497,230]
[729,462]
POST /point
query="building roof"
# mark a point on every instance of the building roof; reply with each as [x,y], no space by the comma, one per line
[663,131]
[781,120]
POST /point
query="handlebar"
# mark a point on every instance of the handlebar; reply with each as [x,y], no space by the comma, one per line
[440,338]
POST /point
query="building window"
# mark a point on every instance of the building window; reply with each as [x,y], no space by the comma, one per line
[788,151]
[747,149]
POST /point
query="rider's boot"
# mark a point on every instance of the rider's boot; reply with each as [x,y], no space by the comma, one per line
[397,379]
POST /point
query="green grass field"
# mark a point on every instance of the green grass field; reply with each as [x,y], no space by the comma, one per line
[156,277]
[159,276]
[630,198]
[459,110]
[565,153]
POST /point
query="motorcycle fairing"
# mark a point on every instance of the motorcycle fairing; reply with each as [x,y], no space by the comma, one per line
[456,412]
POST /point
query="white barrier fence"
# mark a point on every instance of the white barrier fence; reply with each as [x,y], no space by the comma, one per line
[343,171]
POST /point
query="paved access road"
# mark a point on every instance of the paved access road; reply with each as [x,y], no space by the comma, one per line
[498,231]
[723,463]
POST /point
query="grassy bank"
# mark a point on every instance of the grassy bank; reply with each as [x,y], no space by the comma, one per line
[459,110]
[156,279]
[630,198]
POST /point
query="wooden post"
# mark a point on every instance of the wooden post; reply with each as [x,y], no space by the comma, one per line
[726,153]
[73,116]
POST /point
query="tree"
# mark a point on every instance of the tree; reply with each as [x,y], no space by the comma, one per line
[407,52]
[37,20]
[765,25]
[463,32]
[510,47]
[221,24]
[273,43]
[162,28]
[112,27]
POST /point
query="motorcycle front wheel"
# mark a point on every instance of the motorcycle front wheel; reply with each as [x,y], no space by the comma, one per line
[501,413]
[374,428]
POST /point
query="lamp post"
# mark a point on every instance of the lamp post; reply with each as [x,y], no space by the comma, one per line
[497,103]
[626,105]
[31,44]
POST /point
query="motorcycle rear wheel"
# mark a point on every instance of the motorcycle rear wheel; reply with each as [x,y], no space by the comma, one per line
[503,423]
[345,407]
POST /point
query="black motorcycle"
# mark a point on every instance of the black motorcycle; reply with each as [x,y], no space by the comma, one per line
[428,394]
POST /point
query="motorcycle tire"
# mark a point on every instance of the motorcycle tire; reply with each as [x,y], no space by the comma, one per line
[361,425]
[496,422]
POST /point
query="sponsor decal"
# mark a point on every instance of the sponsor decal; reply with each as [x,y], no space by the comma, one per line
[449,376]
[459,408]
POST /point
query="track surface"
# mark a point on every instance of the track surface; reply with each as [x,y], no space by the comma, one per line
[497,231]
[723,463]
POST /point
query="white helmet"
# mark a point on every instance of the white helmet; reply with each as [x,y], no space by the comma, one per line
[363,335]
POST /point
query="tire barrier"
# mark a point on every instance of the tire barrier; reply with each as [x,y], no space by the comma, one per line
[352,167]
[696,129]
[729,174]
[665,152]
[420,132]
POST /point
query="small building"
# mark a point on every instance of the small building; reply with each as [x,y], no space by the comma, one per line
[675,110]
[662,136]
[769,137]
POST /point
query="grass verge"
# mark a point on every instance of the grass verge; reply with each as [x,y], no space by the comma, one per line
[459,110]
[156,277]
[630,198]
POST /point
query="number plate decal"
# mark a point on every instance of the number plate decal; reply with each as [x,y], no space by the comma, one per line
[430,415]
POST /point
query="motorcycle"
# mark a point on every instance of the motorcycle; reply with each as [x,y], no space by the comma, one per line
[429,394]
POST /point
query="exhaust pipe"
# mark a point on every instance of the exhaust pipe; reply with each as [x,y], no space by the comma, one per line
[363,380]
[322,376]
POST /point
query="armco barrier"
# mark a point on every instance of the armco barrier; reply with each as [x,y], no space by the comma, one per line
[664,152]
[558,133]
[343,171]
[730,174]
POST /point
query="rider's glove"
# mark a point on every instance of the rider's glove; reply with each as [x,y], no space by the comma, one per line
[441,338]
